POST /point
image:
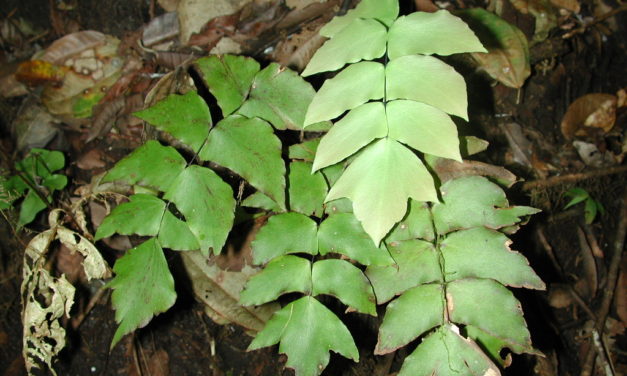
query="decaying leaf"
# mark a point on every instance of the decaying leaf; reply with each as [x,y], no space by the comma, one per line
[194,14]
[592,156]
[544,13]
[34,126]
[45,298]
[160,29]
[589,115]
[219,291]
[507,60]
[297,50]
[93,66]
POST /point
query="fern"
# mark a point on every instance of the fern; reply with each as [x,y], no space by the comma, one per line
[445,266]
[35,182]
[182,205]
[357,214]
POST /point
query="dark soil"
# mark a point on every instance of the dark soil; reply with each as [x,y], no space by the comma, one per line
[184,341]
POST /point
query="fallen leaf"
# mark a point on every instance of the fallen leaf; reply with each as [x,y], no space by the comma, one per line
[520,146]
[159,363]
[589,115]
[160,29]
[219,291]
[592,156]
[214,30]
[194,14]
[448,169]
[507,60]
[297,50]
[543,12]
[33,126]
[72,44]
[39,72]
[560,296]
[90,160]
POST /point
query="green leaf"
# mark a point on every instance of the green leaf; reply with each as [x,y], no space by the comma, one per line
[356,130]
[483,253]
[305,151]
[279,96]
[283,234]
[416,262]
[176,234]
[152,164]
[142,215]
[261,201]
[342,233]
[414,313]
[142,287]
[306,190]
[391,173]
[446,353]
[207,204]
[229,79]
[346,282]
[467,300]
[494,346]
[366,38]
[355,85]
[307,331]
[250,148]
[578,195]
[507,60]
[385,11]
[185,117]
[590,210]
[474,201]
[55,182]
[282,275]
[429,80]
[424,128]
[416,224]
[41,162]
[31,206]
[425,33]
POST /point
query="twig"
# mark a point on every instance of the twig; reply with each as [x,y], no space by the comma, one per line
[570,178]
[612,277]
[601,18]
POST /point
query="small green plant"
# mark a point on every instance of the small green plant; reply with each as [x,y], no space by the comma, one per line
[591,206]
[35,182]
[357,214]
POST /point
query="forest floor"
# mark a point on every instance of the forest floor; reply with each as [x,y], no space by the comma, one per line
[549,131]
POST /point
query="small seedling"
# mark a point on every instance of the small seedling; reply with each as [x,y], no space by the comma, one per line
[592,206]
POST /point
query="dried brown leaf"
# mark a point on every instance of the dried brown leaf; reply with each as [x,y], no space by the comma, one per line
[589,115]
[219,291]
[160,29]
[297,50]
[448,169]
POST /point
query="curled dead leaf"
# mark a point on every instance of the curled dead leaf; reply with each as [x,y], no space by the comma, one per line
[589,115]
[448,169]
